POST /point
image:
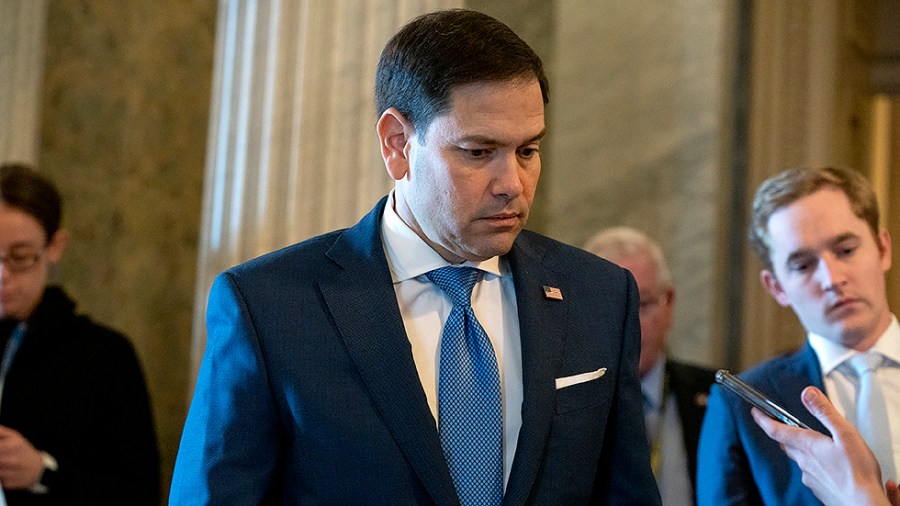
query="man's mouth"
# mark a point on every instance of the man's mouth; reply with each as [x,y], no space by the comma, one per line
[502,219]
[842,305]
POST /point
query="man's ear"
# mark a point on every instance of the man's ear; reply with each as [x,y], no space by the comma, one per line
[772,285]
[884,243]
[57,246]
[394,135]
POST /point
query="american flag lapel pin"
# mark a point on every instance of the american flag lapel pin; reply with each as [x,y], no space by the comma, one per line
[551,292]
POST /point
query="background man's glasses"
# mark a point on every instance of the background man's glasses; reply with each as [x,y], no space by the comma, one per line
[648,303]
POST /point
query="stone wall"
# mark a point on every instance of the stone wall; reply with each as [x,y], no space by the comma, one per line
[125,115]
[636,133]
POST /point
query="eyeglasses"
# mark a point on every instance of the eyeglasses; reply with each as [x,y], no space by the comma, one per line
[650,302]
[20,262]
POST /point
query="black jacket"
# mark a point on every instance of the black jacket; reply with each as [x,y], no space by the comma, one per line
[76,391]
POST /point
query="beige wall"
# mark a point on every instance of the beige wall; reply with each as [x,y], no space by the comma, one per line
[125,113]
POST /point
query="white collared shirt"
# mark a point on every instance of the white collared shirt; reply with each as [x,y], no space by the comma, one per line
[841,388]
[672,475]
[424,308]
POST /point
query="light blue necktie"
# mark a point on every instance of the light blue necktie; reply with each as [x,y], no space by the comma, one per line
[871,411]
[470,417]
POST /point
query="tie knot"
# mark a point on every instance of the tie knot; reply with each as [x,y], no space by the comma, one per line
[865,362]
[456,282]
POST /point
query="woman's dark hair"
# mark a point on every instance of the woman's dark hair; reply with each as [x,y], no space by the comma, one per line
[23,188]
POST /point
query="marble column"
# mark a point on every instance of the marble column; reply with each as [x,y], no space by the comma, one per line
[292,150]
[22,28]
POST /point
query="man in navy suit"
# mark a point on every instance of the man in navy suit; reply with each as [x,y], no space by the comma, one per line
[825,255]
[320,382]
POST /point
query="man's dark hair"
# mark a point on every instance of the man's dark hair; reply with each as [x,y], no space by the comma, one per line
[436,52]
[23,188]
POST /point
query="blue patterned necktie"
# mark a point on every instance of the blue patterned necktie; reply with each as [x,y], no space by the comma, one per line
[872,418]
[470,418]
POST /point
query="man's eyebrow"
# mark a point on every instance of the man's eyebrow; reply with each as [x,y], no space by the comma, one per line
[539,136]
[805,252]
[846,236]
[490,141]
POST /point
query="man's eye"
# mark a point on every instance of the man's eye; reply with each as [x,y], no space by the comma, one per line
[800,266]
[528,152]
[846,251]
[477,153]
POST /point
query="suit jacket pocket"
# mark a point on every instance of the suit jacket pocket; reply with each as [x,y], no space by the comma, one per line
[583,395]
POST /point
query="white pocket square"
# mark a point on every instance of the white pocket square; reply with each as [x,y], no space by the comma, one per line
[579,378]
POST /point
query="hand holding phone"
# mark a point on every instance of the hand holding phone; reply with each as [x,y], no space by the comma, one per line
[757,398]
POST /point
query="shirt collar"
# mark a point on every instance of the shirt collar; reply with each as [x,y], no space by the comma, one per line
[652,384]
[831,354]
[409,256]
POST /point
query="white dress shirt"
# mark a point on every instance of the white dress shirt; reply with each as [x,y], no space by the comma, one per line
[666,437]
[842,387]
[424,308]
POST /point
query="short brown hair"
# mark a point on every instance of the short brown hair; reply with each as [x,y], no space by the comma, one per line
[789,186]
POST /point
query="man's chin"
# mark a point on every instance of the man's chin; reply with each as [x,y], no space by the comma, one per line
[849,336]
[498,248]
[483,252]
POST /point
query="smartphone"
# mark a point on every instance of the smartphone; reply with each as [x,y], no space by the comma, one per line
[757,398]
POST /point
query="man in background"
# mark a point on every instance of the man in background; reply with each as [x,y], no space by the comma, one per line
[824,255]
[675,394]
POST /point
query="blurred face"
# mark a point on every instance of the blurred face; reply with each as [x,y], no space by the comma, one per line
[828,268]
[657,306]
[466,186]
[26,259]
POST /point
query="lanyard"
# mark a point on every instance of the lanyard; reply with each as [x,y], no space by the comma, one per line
[12,346]
[656,444]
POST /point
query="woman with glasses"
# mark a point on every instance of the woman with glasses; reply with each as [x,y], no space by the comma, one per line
[75,419]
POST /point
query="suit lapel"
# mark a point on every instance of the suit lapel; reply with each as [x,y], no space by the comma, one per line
[362,300]
[787,388]
[542,324]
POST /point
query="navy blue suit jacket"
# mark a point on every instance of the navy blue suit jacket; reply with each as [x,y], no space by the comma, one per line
[737,462]
[308,392]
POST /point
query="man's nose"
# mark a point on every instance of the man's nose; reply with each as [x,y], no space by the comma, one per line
[508,176]
[831,274]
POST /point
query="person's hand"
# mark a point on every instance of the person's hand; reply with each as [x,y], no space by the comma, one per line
[893,493]
[21,465]
[840,469]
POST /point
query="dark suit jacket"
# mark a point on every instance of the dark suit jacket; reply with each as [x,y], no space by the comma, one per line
[75,390]
[690,385]
[308,393]
[738,463]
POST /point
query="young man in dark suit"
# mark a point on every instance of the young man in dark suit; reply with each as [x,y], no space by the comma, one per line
[824,255]
[675,393]
[325,378]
